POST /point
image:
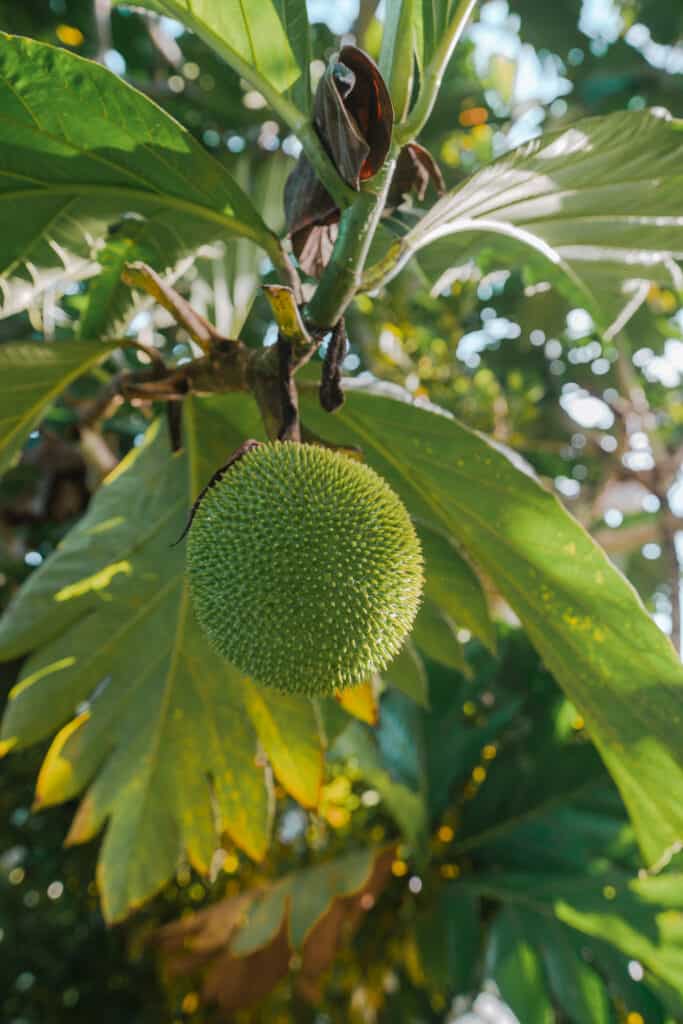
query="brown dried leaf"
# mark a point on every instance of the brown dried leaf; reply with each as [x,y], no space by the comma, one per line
[369,105]
[200,943]
[353,117]
[415,168]
[236,983]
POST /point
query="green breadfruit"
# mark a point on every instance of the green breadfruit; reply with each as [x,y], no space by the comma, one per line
[304,567]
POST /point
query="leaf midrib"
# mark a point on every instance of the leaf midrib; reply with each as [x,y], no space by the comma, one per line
[232,224]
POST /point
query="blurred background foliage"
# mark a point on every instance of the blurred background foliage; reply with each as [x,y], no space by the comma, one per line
[602,423]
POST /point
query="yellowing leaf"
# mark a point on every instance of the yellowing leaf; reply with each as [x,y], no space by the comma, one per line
[360,701]
[288,730]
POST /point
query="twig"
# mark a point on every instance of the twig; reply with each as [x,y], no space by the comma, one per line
[226,369]
[174,420]
[343,274]
[290,425]
[140,275]
[153,354]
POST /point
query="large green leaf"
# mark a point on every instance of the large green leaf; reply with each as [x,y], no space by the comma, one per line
[435,635]
[32,375]
[453,743]
[246,34]
[531,957]
[578,989]
[527,800]
[407,673]
[230,272]
[161,736]
[295,20]
[514,964]
[597,205]
[538,954]
[448,934]
[583,617]
[639,917]
[104,152]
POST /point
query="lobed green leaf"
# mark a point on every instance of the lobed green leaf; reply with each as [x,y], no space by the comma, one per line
[596,207]
[583,617]
[165,732]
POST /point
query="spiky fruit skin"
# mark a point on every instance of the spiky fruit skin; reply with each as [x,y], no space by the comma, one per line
[305,569]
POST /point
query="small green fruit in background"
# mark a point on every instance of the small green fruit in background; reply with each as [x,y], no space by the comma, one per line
[305,569]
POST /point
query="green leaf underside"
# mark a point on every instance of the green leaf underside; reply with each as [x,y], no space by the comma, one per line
[562,809]
[597,207]
[435,635]
[105,152]
[451,583]
[448,936]
[583,617]
[511,809]
[305,896]
[241,31]
[576,986]
[165,733]
[32,375]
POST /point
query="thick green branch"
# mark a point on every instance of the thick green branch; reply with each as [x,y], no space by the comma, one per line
[343,274]
[143,277]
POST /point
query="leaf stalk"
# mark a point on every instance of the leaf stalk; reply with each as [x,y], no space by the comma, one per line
[433,76]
